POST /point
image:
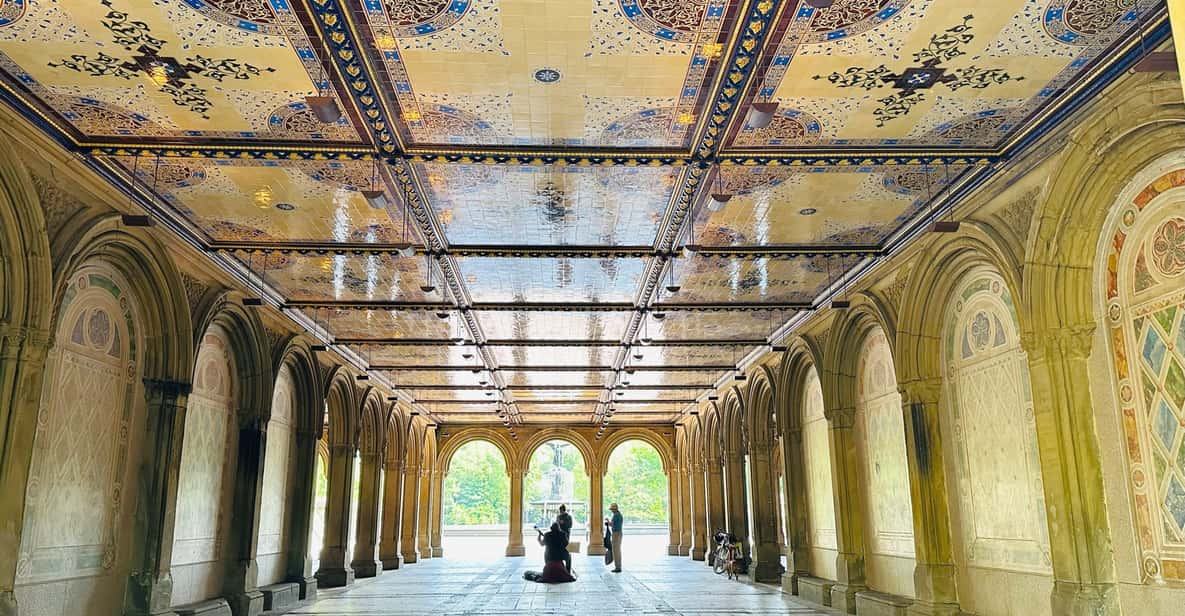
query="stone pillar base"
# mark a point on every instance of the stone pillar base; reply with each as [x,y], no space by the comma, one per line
[1084,599]
[437,552]
[595,549]
[307,587]
[366,568]
[765,572]
[698,553]
[684,550]
[334,578]
[790,583]
[516,550]
[843,597]
[924,608]
[410,557]
[392,562]
[673,549]
[248,603]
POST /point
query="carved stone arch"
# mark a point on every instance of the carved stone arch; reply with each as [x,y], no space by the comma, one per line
[695,442]
[455,441]
[1059,285]
[413,454]
[428,453]
[397,437]
[736,440]
[802,355]
[558,434]
[712,435]
[666,451]
[248,345]
[844,349]
[760,428]
[148,268]
[342,425]
[298,357]
[26,277]
[371,436]
[941,268]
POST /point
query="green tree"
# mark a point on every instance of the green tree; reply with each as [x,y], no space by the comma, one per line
[635,481]
[541,459]
[476,489]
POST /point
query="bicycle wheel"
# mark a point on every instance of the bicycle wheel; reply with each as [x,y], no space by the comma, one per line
[718,563]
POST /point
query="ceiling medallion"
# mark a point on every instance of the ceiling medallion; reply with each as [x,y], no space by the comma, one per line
[807,211]
[547,75]
[287,207]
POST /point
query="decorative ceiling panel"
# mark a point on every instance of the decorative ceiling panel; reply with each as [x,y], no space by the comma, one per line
[817,205]
[553,324]
[718,325]
[717,280]
[548,204]
[556,406]
[373,277]
[412,356]
[643,378]
[453,417]
[350,323]
[435,378]
[712,355]
[924,73]
[586,395]
[199,69]
[633,394]
[520,378]
[507,279]
[507,356]
[620,73]
[430,398]
[477,410]
[237,200]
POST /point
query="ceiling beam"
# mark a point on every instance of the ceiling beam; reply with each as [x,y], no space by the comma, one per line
[559,401]
[519,251]
[545,306]
[583,387]
[471,368]
[689,342]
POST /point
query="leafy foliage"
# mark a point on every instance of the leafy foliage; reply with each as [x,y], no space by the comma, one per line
[476,489]
[635,481]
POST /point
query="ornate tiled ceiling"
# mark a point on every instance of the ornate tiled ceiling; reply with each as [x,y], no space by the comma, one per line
[548,230]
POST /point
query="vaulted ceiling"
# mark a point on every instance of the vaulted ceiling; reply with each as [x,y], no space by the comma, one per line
[552,164]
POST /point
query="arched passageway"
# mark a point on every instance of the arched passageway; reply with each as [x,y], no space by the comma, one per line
[635,480]
[555,475]
[475,501]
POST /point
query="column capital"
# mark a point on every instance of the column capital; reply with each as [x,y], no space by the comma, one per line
[841,417]
[25,342]
[925,390]
[164,389]
[1072,341]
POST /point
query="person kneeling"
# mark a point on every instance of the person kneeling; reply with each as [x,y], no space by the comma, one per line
[555,553]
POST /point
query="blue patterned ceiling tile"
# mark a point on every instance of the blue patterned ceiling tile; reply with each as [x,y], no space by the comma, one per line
[1166,424]
[1154,349]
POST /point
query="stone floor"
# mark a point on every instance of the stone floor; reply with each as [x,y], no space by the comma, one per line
[650,584]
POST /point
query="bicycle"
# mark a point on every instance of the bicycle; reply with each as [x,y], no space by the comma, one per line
[727,558]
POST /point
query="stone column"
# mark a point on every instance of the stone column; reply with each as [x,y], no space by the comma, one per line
[849,509]
[437,513]
[22,370]
[797,524]
[1071,469]
[150,582]
[674,499]
[242,573]
[766,566]
[734,485]
[699,516]
[423,541]
[685,530]
[714,478]
[392,516]
[514,544]
[596,511]
[411,514]
[334,570]
[366,563]
[934,574]
[304,497]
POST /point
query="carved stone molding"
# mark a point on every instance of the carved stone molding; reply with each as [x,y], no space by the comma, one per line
[841,418]
[1018,215]
[194,291]
[1073,342]
[57,204]
[896,289]
[926,391]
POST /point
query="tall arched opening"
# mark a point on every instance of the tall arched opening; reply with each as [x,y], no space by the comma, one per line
[475,503]
[636,481]
[555,475]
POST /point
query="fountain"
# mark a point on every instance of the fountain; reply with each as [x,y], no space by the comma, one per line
[557,483]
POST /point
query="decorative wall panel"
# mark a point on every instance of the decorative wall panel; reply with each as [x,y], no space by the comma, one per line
[81,492]
[274,511]
[816,453]
[880,433]
[204,487]
[998,504]
[1144,307]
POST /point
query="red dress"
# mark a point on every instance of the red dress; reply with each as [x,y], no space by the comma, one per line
[554,572]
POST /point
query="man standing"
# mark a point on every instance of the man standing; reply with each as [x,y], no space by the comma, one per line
[564,519]
[616,537]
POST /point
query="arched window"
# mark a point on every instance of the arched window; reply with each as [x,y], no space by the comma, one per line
[816,452]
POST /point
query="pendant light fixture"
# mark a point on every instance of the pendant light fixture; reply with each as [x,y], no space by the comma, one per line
[134,220]
[841,301]
[257,300]
[320,347]
[324,107]
[428,287]
[375,196]
[406,249]
[718,198]
[672,286]
[938,225]
[738,375]
[761,115]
